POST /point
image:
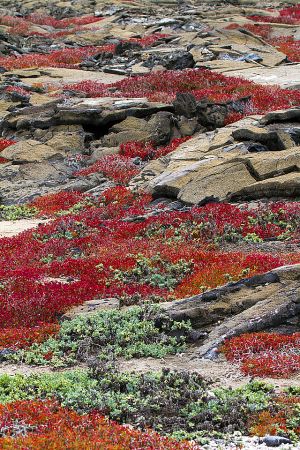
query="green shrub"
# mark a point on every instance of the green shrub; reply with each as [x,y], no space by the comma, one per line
[137,332]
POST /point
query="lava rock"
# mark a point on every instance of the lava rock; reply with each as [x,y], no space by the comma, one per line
[124,47]
[185,105]
[6,352]
[275,441]
[255,147]
[179,61]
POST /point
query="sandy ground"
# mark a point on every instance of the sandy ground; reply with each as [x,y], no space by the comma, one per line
[219,372]
[11,228]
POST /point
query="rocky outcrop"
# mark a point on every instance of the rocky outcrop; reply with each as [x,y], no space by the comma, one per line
[250,305]
[245,160]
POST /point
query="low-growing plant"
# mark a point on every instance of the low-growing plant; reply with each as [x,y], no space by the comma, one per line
[265,354]
[170,402]
[16,212]
[139,331]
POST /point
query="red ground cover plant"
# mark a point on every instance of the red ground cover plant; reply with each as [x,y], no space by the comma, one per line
[62,23]
[265,354]
[25,336]
[285,44]
[4,143]
[78,256]
[290,15]
[147,150]
[42,425]
[148,40]
[23,26]
[201,83]
[18,90]
[68,58]
[52,203]
[116,167]
[281,418]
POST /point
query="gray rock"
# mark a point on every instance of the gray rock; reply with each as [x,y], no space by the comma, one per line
[275,441]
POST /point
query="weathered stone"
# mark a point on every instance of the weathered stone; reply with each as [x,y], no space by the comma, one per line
[215,182]
[245,306]
[29,151]
[268,164]
[185,105]
[281,186]
[285,115]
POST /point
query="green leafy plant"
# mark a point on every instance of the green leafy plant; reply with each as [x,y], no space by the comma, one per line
[16,212]
[139,331]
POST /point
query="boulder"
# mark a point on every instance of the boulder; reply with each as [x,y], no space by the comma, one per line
[219,166]
[185,105]
[250,305]
[29,151]
[215,182]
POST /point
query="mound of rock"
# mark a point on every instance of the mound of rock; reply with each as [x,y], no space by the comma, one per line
[250,305]
[254,158]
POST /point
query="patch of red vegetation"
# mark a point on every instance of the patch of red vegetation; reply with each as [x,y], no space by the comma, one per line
[147,150]
[290,16]
[285,44]
[116,167]
[149,40]
[78,247]
[4,143]
[52,203]
[17,338]
[23,26]
[201,83]
[40,19]
[279,419]
[265,354]
[68,58]
[47,425]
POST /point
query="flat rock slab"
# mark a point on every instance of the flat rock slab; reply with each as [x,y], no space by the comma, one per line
[54,75]
[217,166]
[285,76]
[12,228]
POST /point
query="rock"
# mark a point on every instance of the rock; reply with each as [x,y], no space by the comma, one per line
[249,305]
[275,441]
[92,113]
[217,167]
[274,140]
[161,126]
[292,114]
[124,47]
[99,151]
[187,127]
[281,186]
[130,129]
[29,151]
[269,164]
[185,105]
[215,181]
[179,61]
[211,115]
